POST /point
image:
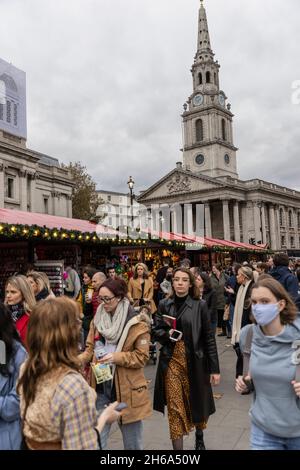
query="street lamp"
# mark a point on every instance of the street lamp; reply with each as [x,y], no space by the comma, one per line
[130,183]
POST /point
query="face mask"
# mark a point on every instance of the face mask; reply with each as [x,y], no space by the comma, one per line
[265,314]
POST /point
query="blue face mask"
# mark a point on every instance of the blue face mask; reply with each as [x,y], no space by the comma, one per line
[265,313]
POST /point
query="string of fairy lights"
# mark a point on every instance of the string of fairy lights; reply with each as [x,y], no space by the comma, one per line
[35,232]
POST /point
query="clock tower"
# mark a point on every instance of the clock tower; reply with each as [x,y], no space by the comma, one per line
[207,119]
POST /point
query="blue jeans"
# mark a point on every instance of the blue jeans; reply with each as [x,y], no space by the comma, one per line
[132,433]
[260,440]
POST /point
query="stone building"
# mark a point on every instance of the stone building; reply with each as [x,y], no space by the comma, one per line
[29,180]
[244,211]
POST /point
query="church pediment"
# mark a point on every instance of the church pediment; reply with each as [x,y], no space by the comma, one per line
[177,183]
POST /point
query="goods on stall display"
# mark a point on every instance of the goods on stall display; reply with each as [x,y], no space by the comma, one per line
[55,272]
[13,261]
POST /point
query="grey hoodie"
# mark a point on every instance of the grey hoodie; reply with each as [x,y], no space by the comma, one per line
[276,407]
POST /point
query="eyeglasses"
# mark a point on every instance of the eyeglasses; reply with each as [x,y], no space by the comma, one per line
[106,300]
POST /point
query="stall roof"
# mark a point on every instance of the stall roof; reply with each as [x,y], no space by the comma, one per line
[10,216]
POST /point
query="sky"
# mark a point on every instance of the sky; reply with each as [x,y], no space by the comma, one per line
[107,80]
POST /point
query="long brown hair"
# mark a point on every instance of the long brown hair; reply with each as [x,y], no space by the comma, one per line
[193,290]
[289,313]
[52,339]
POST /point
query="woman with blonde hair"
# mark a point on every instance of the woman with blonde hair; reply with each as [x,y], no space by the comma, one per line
[40,284]
[20,300]
[58,408]
[140,288]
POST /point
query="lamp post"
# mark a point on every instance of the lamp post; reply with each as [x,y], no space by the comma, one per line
[130,183]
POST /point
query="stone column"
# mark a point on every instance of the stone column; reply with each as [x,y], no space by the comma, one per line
[245,223]
[2,185]
[188,220]
[296,235]
[55,205]
[23,190]
[236,221]
[273,235]
[69,206]
[277,227]
[257,222]
[226,221]
[263,223]
[208,229]
[33,193]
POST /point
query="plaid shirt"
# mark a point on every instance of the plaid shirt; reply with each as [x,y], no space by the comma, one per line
[74,413]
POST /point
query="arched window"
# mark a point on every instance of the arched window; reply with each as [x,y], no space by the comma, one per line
[207,77]
[291,218]
[200,78]
[223,129]
[199,130]
[281,221]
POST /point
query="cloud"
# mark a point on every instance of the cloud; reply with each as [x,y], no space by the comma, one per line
[106,81]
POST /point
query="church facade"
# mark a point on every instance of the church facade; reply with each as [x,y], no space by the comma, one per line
[252,211]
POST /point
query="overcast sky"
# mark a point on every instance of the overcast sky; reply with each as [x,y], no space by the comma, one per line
[106,81]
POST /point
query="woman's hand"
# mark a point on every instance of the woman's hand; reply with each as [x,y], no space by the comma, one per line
[240,385]
[296,386]
[109,415]
[107,359]
[215,379]
[229,290]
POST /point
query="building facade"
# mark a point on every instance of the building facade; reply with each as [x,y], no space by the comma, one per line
[252,211]
[117,209]
[29,180]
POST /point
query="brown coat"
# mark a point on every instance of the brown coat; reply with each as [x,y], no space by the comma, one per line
[130,358]
[135,292]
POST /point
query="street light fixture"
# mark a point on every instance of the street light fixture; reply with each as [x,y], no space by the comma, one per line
[130,183]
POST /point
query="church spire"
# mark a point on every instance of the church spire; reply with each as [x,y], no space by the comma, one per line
[203,32]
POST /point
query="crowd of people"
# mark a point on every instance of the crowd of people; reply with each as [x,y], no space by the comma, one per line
[74,364]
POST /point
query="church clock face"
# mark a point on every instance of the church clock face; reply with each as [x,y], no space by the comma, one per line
[198,100]
[200,159]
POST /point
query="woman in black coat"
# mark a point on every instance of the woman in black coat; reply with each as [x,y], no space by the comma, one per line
[208,294]
[188,365]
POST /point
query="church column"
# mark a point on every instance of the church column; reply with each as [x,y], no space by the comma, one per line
[245,223]
[226,220]
[277,227]
[55,205]
[263,223]
[236,221]
[2,185]
[208,230]
[273,237]
[297,245]
[188,220]
[257,222]
[23,190]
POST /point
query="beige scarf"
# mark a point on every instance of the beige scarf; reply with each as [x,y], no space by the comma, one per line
[238,313]
[111,326]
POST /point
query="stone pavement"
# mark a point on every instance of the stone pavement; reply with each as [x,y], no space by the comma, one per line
[228,428]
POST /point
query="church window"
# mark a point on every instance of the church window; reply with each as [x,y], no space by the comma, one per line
[207,77]
[290,219]
[281,221]
[200,78]
[199,130]
[215,78]
[293,242]
[10,188]
[8,111]
[223,129]
[283,240]
[15,115]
